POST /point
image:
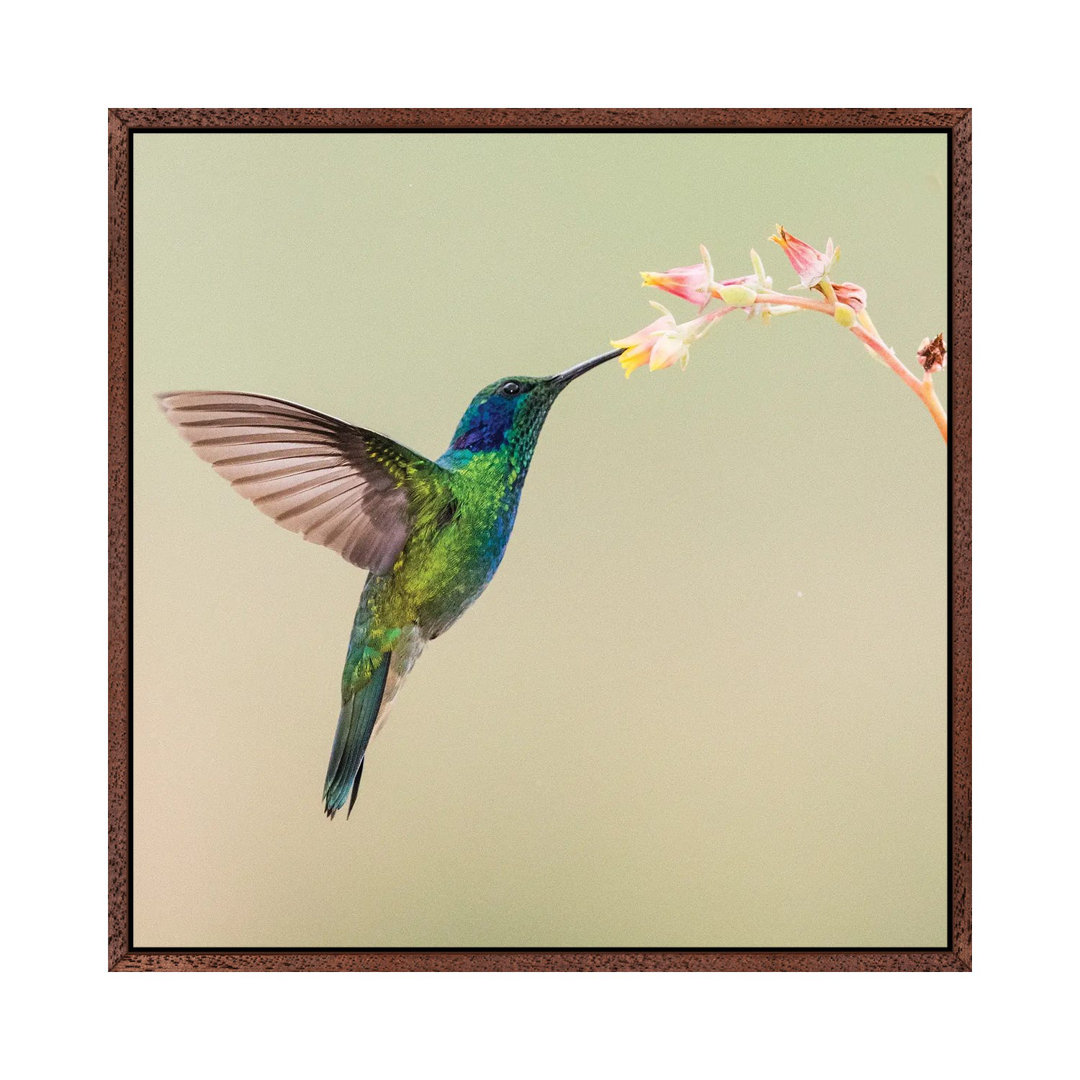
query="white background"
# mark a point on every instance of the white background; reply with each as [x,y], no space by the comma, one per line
[64,67]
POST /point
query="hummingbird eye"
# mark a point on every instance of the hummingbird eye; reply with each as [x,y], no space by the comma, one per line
[510,388]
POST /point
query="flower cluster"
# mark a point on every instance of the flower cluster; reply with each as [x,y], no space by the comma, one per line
[666,342]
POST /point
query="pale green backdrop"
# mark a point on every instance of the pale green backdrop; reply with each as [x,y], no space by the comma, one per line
[703,702]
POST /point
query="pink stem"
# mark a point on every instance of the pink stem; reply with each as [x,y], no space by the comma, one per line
[924,388]
[888,356]
[937,410]
[712,316]
[795,301]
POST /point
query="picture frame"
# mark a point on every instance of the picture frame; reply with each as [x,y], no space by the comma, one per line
[124,125]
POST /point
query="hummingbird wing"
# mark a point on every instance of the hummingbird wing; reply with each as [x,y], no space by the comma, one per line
[341,486]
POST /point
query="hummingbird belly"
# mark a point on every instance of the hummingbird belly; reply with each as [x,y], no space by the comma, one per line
[446,563]
[455,570]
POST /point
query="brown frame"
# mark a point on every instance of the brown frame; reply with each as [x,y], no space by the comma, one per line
[124,124]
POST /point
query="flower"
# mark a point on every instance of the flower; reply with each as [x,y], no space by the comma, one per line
[810,264]
[852,295]
[638,347]
[662,343]
[932,354]
[692,283]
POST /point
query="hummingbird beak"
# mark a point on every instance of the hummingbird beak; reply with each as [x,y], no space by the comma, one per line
[568,376]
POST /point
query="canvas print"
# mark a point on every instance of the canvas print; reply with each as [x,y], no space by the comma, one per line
[693,555]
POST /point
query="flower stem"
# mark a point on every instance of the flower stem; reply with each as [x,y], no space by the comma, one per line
[924,388]
[867,333]
[795,301]
[872,341]
[719,313]
[937,411]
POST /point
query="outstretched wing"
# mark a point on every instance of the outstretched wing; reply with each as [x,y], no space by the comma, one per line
[336,485]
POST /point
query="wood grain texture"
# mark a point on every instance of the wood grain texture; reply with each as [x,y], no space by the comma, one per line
[960,547]
[119,459]
[539,119]
[543,960]
[122,124]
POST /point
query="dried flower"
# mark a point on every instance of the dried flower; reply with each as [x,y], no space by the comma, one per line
[691,283]
[662,343]
[810,264]
[932,354]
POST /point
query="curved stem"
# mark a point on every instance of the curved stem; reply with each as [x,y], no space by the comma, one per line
[712,316]
[924,388]
[867,333]
[795,301]
[937,410]
[888,356]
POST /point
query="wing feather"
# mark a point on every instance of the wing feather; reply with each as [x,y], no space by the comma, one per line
[335,484]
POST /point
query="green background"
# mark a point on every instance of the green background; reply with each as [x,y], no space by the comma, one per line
[703,702]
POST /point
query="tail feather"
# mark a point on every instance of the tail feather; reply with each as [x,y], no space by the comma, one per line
[355,789]
[355,724]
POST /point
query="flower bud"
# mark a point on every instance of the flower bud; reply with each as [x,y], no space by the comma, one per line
[844,315]
[737,295]
[851,294]
[759,269]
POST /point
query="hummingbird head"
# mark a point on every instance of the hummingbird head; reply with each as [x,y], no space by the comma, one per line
[510,412]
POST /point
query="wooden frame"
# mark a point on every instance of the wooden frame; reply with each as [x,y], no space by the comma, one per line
[125,123]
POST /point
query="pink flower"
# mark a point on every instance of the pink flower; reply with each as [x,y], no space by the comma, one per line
[810,264]
[662,343]
[638,347]
[852,295]
[691,283]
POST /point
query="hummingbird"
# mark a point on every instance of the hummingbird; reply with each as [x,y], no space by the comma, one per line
[431,534]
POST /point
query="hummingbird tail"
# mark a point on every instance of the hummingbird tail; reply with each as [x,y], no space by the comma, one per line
[355,725]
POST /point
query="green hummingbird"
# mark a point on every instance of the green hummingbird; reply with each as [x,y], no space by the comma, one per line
[430,533]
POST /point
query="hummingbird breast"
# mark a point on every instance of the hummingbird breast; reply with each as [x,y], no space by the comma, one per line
[452,554]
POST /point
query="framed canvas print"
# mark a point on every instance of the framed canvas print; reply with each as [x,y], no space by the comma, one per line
[673,604]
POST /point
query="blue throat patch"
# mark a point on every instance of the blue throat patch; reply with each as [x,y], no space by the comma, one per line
[485,427]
